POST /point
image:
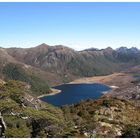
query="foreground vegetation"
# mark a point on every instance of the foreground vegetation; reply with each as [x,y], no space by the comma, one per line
[26,116]
[106,117]
[23,115]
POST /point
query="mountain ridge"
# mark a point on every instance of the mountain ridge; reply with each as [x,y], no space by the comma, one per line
[60,64]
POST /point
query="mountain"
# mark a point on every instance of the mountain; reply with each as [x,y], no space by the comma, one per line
[128,55]
[91,49]
[125,50]
[46,65]
[61,60]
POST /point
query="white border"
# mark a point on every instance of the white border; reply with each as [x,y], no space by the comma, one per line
[66,1]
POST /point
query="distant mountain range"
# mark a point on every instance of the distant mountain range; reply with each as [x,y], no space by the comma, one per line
[53,65]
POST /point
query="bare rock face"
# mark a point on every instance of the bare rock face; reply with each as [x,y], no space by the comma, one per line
[45,57]
[30,101]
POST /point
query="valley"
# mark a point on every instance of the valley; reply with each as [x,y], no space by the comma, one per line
[121,84]
[26,75]
[117,79]
[55,65]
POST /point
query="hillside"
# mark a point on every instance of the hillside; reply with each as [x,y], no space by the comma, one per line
[23,115]
[104,118]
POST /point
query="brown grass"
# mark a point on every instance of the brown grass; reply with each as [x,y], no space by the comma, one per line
[116,79]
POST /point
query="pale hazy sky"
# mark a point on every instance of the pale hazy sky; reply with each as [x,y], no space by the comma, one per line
[77,25]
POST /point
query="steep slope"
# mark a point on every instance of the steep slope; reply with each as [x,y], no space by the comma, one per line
[49,59]
[18,72]
[10,68]
[4,59]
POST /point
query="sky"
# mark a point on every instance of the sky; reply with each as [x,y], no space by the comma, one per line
[77,25]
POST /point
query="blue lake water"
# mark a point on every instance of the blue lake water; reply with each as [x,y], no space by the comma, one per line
[74,93]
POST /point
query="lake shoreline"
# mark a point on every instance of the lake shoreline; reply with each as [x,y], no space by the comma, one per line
[54,92]
[106,80]
[116,82]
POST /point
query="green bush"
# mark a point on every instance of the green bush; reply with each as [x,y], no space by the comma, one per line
[106,103]
[17,133]
[16,127]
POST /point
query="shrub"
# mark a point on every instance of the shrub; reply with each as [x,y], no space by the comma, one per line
[106,103]
[131,132]
[17,133]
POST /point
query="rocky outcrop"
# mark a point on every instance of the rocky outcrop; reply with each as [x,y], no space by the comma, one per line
[30,101]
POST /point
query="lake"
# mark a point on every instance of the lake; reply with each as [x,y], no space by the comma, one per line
[74,93]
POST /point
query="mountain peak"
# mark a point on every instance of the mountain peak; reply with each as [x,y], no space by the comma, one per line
[43,45]
[91,49]
[134,49]
[109,48]
[127,50]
